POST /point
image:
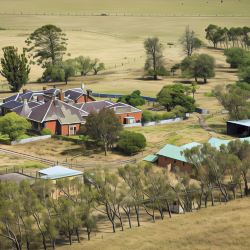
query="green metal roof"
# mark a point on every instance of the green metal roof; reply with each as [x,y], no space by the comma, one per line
[216,143]
[172,152]
[241,122]
[151,158]
[190,145]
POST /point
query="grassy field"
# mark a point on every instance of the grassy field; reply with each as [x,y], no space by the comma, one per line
[224,227]
[178,7]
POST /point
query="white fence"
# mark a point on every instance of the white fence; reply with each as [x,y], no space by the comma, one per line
[31,139]
[178,119]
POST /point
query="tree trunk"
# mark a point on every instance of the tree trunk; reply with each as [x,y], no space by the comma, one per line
[77,235]
[137,211]
[205,80]
[70,238]
[169,211]
[88,234]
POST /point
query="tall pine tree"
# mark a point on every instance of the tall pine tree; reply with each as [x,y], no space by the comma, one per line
[15,68]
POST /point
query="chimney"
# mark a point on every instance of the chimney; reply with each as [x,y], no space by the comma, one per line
[61,95]
[82,86]
[25,91]
[44,88]
[89,92]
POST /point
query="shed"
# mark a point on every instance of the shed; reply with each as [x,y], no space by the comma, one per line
[151,158]
[58,172]
[239,128]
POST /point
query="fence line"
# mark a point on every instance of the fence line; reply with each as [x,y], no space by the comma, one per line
[113,14]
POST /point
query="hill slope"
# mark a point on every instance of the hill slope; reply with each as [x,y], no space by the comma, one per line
[220,227]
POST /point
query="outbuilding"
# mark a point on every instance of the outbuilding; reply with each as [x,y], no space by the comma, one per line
[239,128]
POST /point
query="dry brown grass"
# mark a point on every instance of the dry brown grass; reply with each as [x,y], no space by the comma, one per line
[224,227]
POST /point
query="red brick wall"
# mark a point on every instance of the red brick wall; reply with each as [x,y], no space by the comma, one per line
[83,99]
[51,125]
[65,129]
[172,164]
[136,115]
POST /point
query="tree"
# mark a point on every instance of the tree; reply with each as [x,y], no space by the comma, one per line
[214,34]
[198,66]
[53,73]
[190,42]
[13,125]
[236,56]
[234,99]
[84,65]
[133,99]
[97,66]
[244,74]
[15,68]
[69,68]
[177,94]
[154,64]
[47,44]
[103,127]
[131,142]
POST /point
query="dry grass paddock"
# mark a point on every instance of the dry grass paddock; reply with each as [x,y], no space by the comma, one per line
[223,227]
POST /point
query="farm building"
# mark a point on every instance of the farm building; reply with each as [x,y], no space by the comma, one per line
[172,157]
[64,112]
[58,172]
[238,128]
[126,114]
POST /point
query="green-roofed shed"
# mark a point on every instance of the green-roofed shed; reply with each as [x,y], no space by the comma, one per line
[151,158]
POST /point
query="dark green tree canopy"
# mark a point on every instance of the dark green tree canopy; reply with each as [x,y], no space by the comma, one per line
[103,127]
[47,44]
[171,96]
[131,142]
[198,66]
[15,68]
[237,57]
[13,125]
[133,99]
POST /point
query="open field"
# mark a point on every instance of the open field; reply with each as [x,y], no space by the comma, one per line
[221,227]
[178,7]
[118,42]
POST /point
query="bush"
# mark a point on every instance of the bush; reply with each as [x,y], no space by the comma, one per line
[131,142]
[236,56]
[133,99]
[13,125]
[46,131]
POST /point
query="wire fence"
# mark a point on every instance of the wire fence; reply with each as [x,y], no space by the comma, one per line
[113,13]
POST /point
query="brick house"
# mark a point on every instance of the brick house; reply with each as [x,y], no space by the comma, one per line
[59,117]
[126,114]
[63,112]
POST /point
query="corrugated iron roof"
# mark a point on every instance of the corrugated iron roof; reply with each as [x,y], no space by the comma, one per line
[57,172]
[151,158]
[241,122]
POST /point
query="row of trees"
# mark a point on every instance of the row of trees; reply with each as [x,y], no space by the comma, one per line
[226,38]
[46,47]
[63,70]
[42,214]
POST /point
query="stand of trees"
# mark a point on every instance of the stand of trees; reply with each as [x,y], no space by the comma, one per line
[226,38]
[41,214]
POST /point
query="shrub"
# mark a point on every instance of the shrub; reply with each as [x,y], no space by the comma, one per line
[46,131]
[235,56]
[13,125]
[131,142]
[133,99]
